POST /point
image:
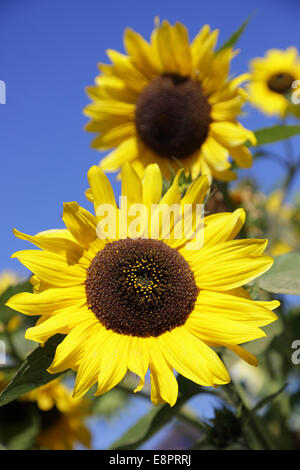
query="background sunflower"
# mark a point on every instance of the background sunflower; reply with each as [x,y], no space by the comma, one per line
[272,79]
[170,102]
[58,418]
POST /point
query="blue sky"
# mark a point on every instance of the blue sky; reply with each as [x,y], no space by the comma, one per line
[49,52]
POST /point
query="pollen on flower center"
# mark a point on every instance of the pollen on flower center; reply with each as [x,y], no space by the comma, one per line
[173,116]
[281,82]
[140,287]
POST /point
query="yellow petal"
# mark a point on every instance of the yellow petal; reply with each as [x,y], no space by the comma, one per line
[221,227]
[51,267]
[222,306]
[152,185]
[56,242]
[104,109]
[131,185]
[138,360]
[90,362]
[196,191]
[231,135]
[199,40]
[101,188]
[204,53]
[215,154]
[71,349]
[243,354]
[63,322]
[189,219]
[164,386]
[164,45]
[226,175]
[229,265]
[127,151]
[141,53]
[182,50]
[173,196]
[218,330]
[114,136]
[163,215]
[48,301]
[111,87]
[192,358]
[242,156]
[124,68]
[89,195]
[227,110]
[114,362]
[81,223]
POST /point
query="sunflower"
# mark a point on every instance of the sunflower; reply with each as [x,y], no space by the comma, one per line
[272,81]
[144,303]
[61,417]
[170,102]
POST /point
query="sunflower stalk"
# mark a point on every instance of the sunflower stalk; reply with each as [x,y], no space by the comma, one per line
[236,396]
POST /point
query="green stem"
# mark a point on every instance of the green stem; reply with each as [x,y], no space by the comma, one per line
[261,436]
[292,172]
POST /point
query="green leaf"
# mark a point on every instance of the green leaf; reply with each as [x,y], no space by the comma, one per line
[147,426]
[284,275]
[155,419]
[32,373]
[268,135]
[268,399]
[235,36]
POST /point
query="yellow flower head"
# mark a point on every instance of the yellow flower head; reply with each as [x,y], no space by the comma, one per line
[170,102]
[146,302]
[273,80]
[62,417]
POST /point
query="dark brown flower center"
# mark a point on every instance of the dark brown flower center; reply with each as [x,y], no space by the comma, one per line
[140,287]
[173,116]
[281,83]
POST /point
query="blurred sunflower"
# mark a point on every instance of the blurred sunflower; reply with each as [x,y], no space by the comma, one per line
[280,215]
[269,216]
[272,78]
[61,417]
[170,102]
[133,304]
